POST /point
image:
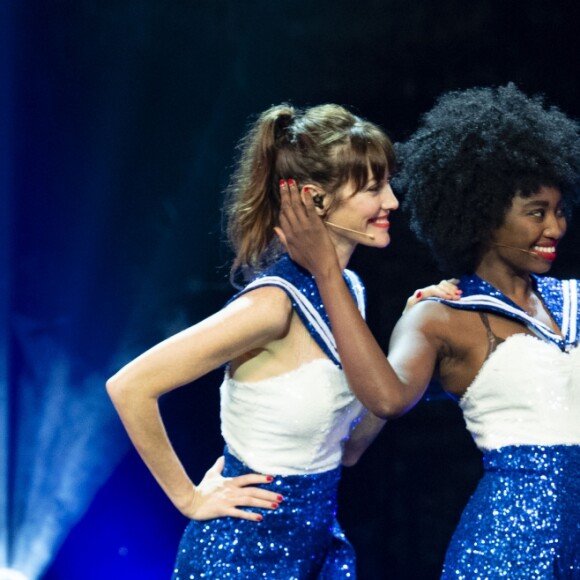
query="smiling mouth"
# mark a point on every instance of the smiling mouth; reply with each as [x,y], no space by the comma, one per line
[380,222]
[546,252]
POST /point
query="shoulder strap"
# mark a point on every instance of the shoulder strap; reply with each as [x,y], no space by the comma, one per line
[301,288]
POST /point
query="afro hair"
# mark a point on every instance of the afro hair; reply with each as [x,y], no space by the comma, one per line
[475,150]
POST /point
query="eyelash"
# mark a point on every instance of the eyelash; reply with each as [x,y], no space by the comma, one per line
[541,213]
[378,186]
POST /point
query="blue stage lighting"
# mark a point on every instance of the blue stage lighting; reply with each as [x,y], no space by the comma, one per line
[12,574]
[67,442]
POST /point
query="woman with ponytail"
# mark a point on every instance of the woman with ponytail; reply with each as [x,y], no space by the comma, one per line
[289,418]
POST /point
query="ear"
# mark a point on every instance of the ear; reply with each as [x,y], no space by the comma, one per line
[318,197]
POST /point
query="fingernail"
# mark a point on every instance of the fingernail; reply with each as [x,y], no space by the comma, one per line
[259,518]
[274,505]
[291,182]
[306,190]
[282,182]
[269,478]
[418,294]
[279,498]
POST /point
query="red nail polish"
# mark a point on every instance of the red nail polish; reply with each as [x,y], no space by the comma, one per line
[418,294]
[279,498]
[282,182]
[274,505]
[291,182]
[259,518]
[269,478]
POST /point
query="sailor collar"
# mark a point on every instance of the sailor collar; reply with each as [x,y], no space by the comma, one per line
[559,296]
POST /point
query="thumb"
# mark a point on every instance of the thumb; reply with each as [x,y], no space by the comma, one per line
[218,466]
[412,300]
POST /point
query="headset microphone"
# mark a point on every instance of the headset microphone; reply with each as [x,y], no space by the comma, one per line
[514,248]
[370,236]
[319,204]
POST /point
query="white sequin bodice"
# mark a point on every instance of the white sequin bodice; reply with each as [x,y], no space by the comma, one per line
[290,424]
[526,393]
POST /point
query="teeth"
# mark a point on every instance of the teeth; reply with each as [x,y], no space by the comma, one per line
[545,249]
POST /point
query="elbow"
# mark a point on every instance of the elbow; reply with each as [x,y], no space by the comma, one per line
[126,390]
[387,408]
[350,459]
[383,400]
[352,452]
[112,387]
[117,389]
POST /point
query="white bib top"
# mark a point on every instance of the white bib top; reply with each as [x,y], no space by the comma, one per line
[526,393]
[292,424]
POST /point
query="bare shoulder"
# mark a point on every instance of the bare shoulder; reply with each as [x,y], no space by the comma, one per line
[439,323]
[429,317]
[452,341]
[266,296]
[267,305]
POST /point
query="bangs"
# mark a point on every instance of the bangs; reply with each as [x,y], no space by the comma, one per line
[368,149]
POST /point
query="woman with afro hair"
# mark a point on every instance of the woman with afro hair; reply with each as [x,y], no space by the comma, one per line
[489,179]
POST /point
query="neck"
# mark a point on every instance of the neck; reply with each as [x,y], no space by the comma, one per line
[343,253]
[511,281]
[512,284]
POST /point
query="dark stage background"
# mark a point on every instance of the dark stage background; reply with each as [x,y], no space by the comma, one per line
[119,121]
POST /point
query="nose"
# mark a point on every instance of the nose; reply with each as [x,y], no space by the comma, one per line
[556,225]
[389,201]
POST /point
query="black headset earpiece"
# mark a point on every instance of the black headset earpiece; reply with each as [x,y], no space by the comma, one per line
[318,201]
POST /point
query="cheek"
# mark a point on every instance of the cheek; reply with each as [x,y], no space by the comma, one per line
[344,212]
[368,206]
[355,210]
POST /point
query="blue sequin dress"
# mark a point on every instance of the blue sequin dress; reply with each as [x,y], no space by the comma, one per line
[523,410]
[291,426]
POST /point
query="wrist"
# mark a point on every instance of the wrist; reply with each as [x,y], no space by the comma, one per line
[328,269]
[185,500]
[328,274]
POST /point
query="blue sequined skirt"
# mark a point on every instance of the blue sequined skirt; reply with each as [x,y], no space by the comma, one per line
[523,521]
[301,540]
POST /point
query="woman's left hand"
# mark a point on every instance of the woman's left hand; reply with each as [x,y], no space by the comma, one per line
[446,289]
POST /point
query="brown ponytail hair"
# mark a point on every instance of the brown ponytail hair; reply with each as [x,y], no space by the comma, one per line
[325,145]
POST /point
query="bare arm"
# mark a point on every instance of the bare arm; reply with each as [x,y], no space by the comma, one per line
[388,390]
[362,435]
[181,359]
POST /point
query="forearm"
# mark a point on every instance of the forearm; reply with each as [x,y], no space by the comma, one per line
[142,420]
[369,373]
[360,438]
[383,391]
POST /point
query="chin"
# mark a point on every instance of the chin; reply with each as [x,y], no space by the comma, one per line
[543,269]
[380,242]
